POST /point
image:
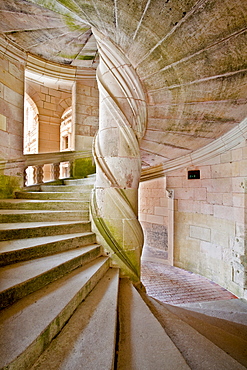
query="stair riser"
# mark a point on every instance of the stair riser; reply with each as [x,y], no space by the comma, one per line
[15,293]
[90,317]
[44,231]
[49,205]
[81,182]
[32,353]
[53,196]
[46,249]
[66,188]
[43,217]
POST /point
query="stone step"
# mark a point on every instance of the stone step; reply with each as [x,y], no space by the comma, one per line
[82,195]
[12,251]
[12,216]
[10,231]
[30,324]
[90,332]
[66,188]
[234,310]
[237,329]
[230,337]
[85,181]
[143,343]
[28,204]
[199,351]
[23,278]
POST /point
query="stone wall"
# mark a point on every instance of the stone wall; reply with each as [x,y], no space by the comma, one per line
[153,215]
[12,64]
[211,219]
[86,108]
[11,101]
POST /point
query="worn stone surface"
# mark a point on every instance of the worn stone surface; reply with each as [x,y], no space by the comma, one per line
[156,241]
[193,72]
[143,344]
[91,332]
[122,124]
[210,220]
[195,75]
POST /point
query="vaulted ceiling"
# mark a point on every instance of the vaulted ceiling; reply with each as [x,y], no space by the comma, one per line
[191,56]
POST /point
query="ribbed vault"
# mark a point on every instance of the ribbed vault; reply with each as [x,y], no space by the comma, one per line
[190,56]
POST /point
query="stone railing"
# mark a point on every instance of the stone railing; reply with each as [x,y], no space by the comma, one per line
[43,167]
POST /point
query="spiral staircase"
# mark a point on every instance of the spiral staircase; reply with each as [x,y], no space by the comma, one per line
[65,306]
[69,299]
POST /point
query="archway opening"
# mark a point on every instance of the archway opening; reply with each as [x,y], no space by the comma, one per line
[31,126]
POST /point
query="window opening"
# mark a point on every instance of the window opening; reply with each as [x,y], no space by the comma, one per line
[30,126]
[66,140]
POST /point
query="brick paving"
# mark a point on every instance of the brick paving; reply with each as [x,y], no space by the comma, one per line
[173,285]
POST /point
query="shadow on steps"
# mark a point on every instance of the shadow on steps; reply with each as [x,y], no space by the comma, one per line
[205,342]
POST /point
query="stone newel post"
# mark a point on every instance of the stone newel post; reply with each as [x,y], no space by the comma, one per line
[122,123]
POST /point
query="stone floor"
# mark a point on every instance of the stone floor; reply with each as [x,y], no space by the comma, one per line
[173,285]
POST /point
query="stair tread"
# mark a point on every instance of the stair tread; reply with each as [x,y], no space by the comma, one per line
[40,201]
[81,191]
[30,211]
[19,273]
[45,204]
[81,194]
[236,312]
[27,320]
[237,305]
[199,351]
[85,181]
[23,225]
[65,188]
[210,324]
[90,332]
[142,335]
[18,244]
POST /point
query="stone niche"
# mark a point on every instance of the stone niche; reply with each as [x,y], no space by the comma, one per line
[156,240]
[153,215]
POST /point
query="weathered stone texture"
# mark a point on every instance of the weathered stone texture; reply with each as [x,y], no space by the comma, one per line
[210,219]
[153,214]
[11,106]
[156,236]
[85,103]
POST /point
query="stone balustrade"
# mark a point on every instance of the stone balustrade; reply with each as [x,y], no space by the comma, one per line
[43,167]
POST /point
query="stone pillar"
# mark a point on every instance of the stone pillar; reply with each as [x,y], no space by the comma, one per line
[122,122]
[38,174]
[55,169]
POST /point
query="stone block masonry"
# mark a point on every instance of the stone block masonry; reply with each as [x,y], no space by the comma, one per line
[86,108]
[11,103]
[153,215]
[210,219]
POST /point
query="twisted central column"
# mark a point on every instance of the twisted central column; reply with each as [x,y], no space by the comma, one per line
[122,123]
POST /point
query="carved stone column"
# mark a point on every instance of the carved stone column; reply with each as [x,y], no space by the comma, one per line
[25,177]
[55,171]
[38,174]
[122,123]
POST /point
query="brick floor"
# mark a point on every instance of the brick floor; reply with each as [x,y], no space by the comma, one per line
[173,285]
